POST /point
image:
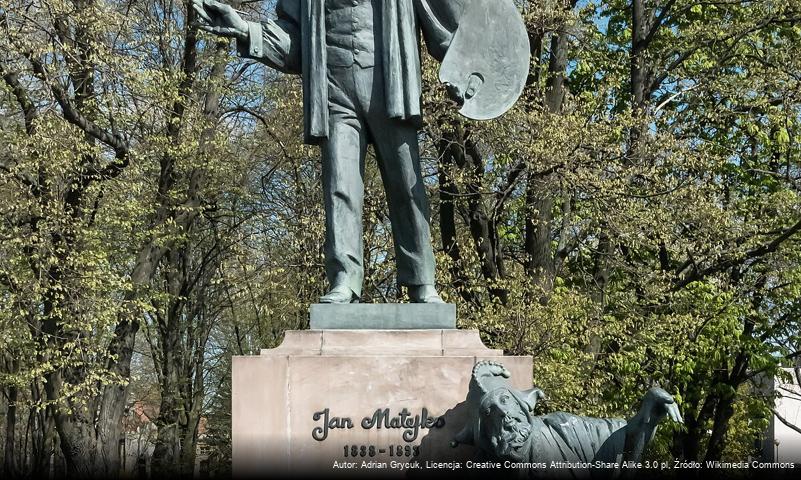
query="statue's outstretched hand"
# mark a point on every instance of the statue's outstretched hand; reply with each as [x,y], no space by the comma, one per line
[659,404]
[220,19]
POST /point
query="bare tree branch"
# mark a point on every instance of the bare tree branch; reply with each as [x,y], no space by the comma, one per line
[28,108]
[795,428]
[760,251]
[658,21]
[75,117]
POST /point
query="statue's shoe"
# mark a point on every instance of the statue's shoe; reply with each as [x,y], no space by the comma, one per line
[340,294]
[424,294]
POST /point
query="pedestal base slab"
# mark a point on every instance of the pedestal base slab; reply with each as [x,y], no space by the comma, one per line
[322,395]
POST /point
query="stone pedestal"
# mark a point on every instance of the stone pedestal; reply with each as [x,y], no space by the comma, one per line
[383,316]
[281,399]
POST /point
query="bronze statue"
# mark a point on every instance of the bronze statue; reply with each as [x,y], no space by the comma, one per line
[501,426]
[360,64]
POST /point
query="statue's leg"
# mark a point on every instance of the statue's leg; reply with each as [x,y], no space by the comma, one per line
[398,156]
[343,185]
[399,163]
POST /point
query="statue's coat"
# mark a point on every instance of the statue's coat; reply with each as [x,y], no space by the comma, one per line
[296,44]
[573,438]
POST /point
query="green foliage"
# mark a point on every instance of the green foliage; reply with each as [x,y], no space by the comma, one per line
[628,227]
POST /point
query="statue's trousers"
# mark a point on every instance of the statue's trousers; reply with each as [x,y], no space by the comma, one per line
[358,116]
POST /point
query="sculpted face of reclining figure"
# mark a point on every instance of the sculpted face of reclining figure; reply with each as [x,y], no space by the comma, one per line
[501,425]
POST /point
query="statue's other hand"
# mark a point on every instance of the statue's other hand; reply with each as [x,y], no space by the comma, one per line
[659,404]
[220,19]
[532,397]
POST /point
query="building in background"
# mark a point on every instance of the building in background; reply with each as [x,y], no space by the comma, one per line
[139,442]
[137,446]
[782,441]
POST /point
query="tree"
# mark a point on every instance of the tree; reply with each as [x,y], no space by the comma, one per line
[90,87]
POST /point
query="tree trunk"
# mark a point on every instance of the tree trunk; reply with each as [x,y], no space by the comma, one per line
[167,452]
[447,220]
[689,442]
[180,343]
[540,261]
[179,355]
[638,68]
[600,278]
[464,154]
[40,428]
[9,460]
[720,426]
[482,225]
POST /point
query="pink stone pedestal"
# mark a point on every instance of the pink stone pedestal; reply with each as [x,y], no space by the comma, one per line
[353,373]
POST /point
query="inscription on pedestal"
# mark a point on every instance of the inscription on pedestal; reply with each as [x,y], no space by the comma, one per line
[381,418]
